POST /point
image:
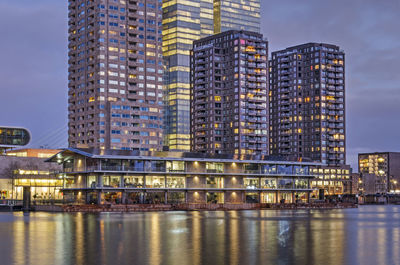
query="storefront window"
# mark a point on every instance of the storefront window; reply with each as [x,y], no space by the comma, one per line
[69,182]
[252,197]
[176,197]
[133,181]
[300,170]
[301,184]
[269,169]
[111,164]
[111,181]
[268,183]
[175,166]
[155,197]
[92,182]
[176,182]
[251,183]
[157,166]
[136,165]
[92,197]
[284,169]
[215,182]
[301,197]
[285,197]
[135,198]
[112,198]
[251,168]
[268,197]
[215,197]
[215,167]
[155,182]
[285,184]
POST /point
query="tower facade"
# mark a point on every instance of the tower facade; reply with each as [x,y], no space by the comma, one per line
[236,14]
[229,94]
[115,98]
[307,103]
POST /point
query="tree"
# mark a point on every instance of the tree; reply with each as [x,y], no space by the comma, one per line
[9,172]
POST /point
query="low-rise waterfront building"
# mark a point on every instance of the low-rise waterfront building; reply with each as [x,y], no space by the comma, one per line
[116,176]
[331,181]
[25,170]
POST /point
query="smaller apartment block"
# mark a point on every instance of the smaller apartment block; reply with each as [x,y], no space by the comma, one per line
[379,172]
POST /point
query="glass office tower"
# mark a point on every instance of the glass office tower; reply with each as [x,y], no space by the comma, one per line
[184,22]
[236,14]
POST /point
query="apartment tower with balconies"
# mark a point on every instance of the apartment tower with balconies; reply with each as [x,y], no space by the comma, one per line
[229,94]
[307,103]
[115,96]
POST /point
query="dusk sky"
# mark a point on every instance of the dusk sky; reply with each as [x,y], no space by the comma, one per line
[33,63]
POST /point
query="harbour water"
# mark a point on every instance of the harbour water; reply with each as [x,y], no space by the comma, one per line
[367,235]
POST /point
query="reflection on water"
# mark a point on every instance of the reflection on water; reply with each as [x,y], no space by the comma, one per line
[368,235]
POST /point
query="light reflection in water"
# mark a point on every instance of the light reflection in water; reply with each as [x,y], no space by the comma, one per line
[368,235]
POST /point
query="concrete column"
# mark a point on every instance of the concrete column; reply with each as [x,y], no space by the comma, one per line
[98,197]
[100,180]
[165,197]
[277,199]
[123,197]
[26,203]
[122,182]
[293,197]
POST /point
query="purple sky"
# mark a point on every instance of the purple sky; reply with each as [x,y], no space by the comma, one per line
[33,63]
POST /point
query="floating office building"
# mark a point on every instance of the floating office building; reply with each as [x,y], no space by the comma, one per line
[125,177]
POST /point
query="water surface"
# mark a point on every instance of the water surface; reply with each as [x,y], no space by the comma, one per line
[367,235]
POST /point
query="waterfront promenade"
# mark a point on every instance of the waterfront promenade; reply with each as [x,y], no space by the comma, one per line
[189,207]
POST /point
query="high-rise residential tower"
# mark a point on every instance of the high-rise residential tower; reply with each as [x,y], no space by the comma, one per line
[115,74]
[229,98]
[307,103]
[184,22]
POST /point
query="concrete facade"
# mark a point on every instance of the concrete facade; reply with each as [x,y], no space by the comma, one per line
[115,97]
